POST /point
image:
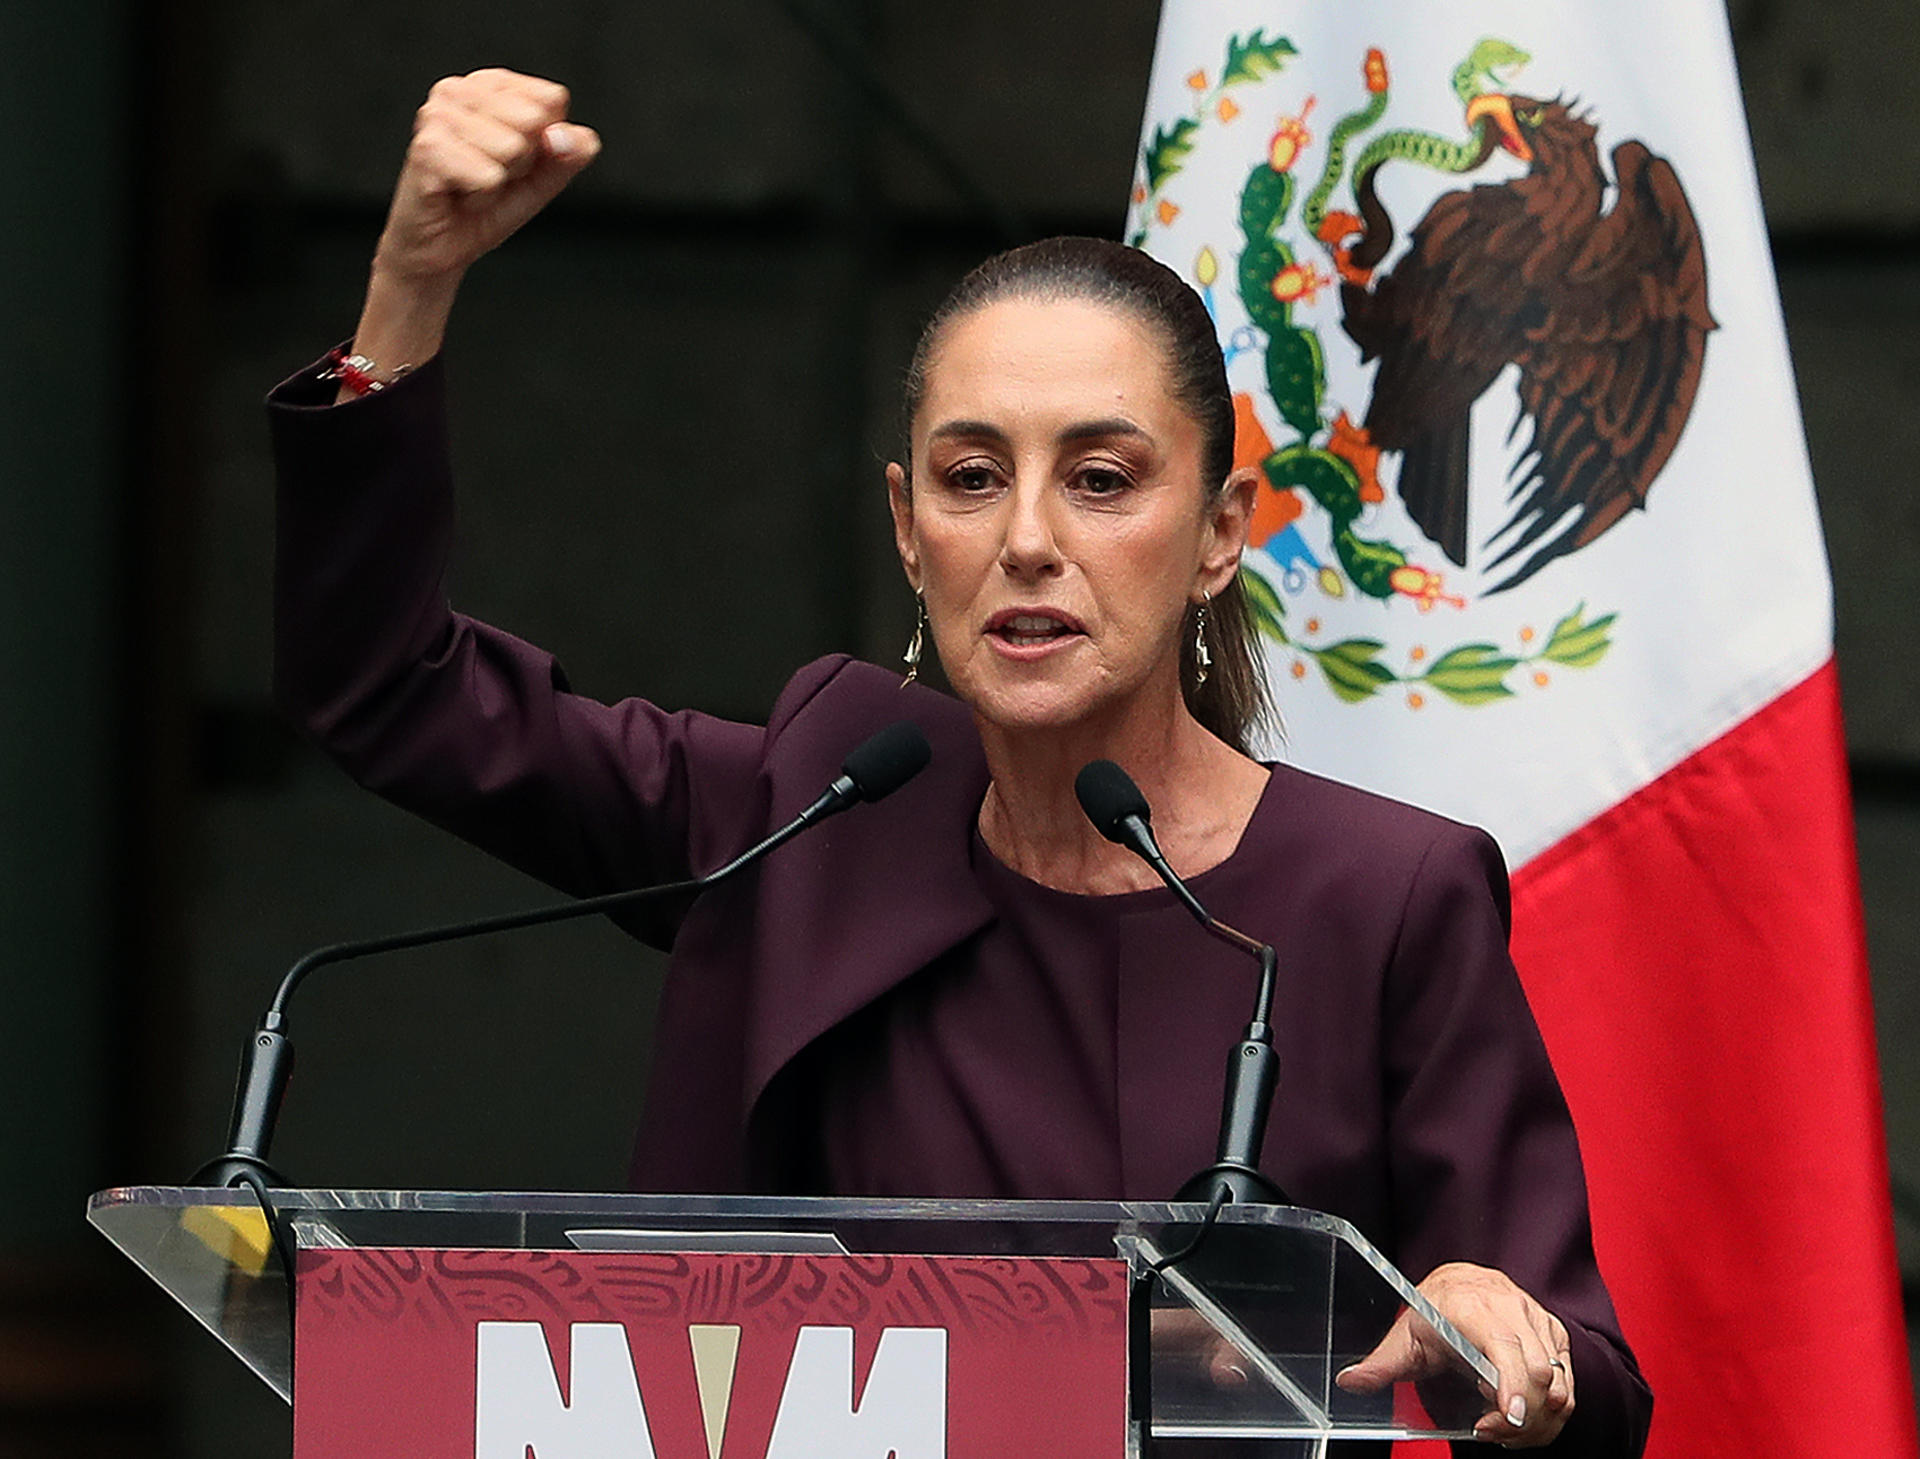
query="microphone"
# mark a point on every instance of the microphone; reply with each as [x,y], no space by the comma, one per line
[876,768]
[879,765]
[1119,812]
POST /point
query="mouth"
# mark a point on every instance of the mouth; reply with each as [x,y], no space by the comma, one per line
[1033,628]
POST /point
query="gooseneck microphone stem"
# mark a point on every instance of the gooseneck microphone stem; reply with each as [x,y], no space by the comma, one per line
[537,916]
[1140,840]
[1119,812]
[268,1062]
[875,769]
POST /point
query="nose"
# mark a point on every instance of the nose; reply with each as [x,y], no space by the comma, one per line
[1029,547]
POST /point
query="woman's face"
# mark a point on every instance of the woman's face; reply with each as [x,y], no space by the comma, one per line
[1055,518]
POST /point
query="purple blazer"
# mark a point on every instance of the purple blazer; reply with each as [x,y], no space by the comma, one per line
[1416,1098]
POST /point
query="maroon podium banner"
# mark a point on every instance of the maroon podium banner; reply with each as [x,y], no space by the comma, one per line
[436,1354]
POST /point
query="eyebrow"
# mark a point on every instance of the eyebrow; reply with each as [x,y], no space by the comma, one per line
[1080,431]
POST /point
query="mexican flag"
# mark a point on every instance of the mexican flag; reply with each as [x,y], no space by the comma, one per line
[1537,549]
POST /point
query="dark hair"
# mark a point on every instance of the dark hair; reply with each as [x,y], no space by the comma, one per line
[1233,702]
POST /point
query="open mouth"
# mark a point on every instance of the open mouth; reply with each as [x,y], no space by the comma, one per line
[1031,630]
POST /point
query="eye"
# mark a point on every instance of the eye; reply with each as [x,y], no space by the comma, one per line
[973,477]
[1098,479]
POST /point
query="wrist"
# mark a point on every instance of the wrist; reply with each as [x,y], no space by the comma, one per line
[359,374]
[405,314]
[403,321]
[424,287]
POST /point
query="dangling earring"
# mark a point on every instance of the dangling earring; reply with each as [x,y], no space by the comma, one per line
[1202,656]
[911,658]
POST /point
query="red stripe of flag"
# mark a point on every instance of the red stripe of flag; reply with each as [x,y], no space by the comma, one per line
[1697,961]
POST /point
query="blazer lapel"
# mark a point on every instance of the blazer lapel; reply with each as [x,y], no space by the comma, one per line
[865,901]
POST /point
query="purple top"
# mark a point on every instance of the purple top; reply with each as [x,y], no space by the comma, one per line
[996,1072]
[877,1006]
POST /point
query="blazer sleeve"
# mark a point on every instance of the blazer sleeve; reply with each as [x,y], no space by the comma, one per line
[468,726]
[1484,1165]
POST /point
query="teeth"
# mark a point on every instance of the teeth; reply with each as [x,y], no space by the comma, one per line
[1027,624]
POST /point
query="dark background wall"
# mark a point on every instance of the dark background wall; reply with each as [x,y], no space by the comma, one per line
[673,394]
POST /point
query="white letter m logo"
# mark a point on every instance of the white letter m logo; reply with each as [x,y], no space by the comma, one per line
[903,1412]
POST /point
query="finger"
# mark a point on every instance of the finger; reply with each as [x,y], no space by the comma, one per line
[570,145]
[1525,1412]
[1538,1354]
[506,124]
[1180,1329]
[513,149]
[1543,1426]
[549,176]
[510,109]
[1396,1356]
[550,97]
[1522,1363]
[450,164]
[1559,1396]
[1560,1393]
[530,101]
[1227,1366]
[1549,1412]
[1188,1335]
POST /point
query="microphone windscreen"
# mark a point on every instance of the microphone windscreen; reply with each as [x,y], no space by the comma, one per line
[883,763]
[1109,796]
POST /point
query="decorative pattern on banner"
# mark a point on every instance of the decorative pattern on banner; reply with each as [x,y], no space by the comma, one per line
[1058,1299]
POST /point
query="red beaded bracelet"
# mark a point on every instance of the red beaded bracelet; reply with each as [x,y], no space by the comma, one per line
[358,373]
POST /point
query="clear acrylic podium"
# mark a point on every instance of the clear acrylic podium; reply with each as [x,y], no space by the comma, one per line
[1295,1294]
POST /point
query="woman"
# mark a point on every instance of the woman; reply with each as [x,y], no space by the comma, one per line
[965,990]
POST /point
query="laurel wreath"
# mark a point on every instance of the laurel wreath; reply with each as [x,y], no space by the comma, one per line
[1249,58]
[1471,673]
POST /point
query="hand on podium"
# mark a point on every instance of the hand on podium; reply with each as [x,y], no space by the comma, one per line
[1527,1343]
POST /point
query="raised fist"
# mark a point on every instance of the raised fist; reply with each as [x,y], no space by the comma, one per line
[489,151]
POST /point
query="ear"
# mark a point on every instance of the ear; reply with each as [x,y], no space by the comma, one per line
[1229,520]
[900,503]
